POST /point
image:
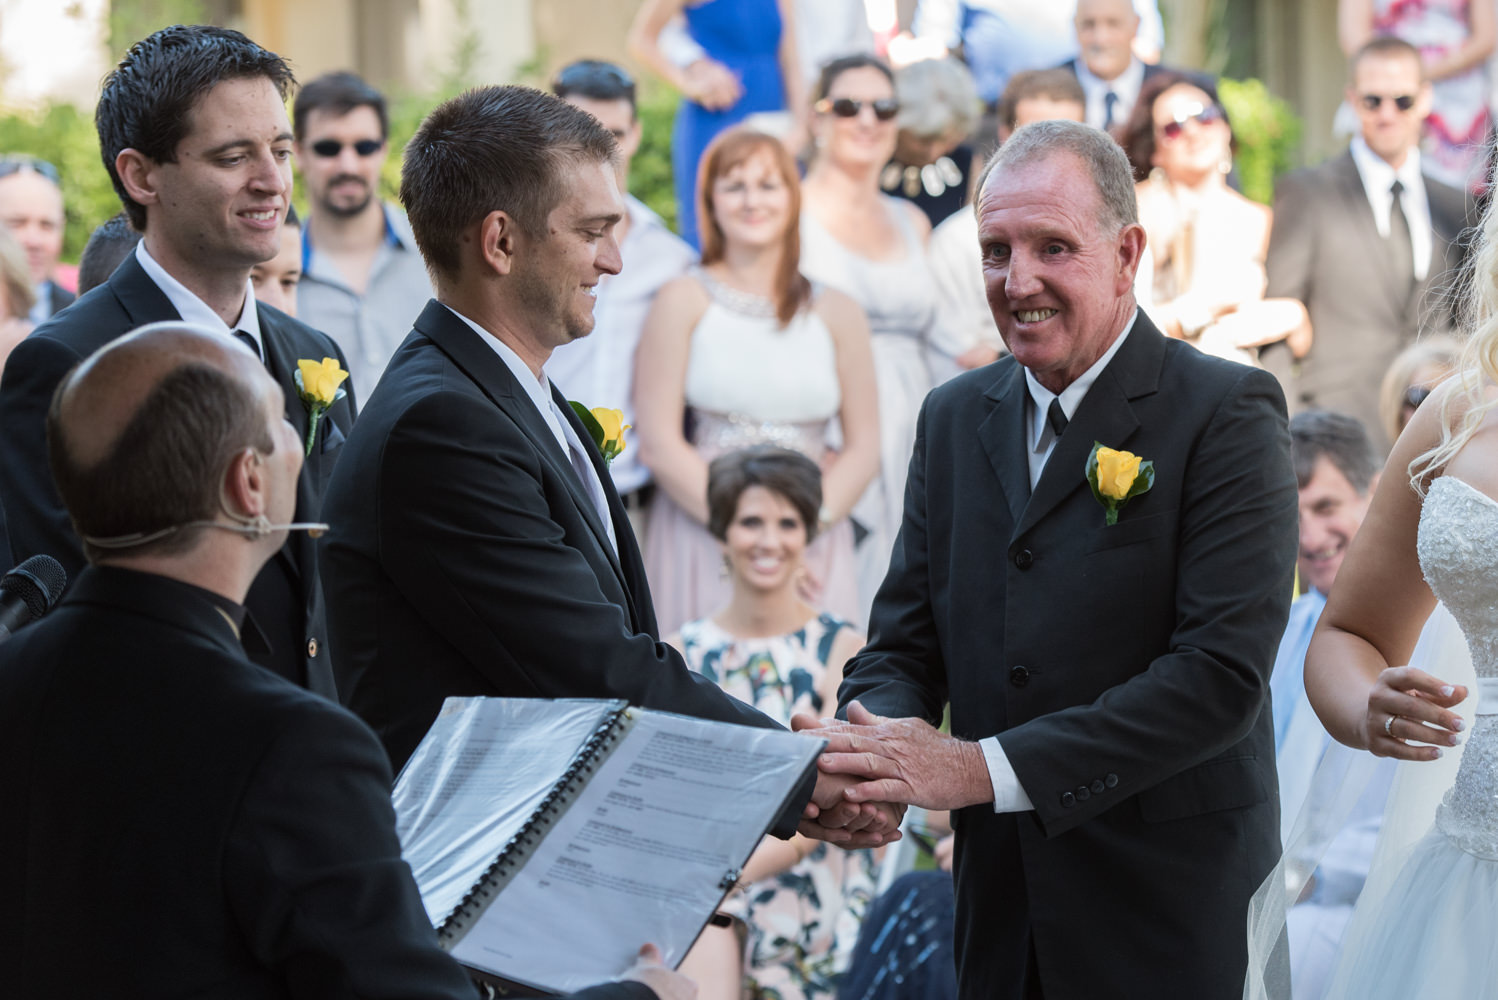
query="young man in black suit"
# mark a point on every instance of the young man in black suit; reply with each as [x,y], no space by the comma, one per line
[478,545]
[1112,751]
[193,130]
[201,826]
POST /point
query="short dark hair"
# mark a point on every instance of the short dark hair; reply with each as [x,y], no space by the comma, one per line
[786,473]
[1384,46]
[596,80]
[1138,135]
[106,248]
[493,148]
[837,67]
[1051,84]
[148,99]
[165,467]
[338,94]
[1341,439]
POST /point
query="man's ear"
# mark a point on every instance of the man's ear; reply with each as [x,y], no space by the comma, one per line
[1131,241]
[246,485]
[138,175]
[499,237]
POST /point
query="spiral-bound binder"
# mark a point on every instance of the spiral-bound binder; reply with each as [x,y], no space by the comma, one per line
[550,839]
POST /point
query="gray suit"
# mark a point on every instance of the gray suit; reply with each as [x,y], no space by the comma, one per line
[1326,251]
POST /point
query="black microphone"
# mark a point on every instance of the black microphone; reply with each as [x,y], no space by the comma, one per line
[29,591]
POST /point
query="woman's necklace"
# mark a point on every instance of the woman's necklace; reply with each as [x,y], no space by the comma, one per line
[935,177]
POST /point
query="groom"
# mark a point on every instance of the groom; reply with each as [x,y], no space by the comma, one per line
[1112,755]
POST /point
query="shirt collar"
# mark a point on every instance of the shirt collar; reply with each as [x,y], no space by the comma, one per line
[1376,172]
[1125,85]
[393,237]
[538,389]
[193,309]
[1071,397]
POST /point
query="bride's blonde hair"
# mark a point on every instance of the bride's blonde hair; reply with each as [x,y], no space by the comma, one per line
[1462,407]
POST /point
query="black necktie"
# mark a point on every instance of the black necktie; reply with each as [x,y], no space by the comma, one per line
[1056,417]
[1401,246]
[249,341]
[1110,103]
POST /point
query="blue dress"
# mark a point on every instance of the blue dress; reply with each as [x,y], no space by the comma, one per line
[743,35]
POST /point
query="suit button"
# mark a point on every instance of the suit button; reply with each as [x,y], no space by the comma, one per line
[1019,676]
[1098,786]
[1023,558]
[312,646]
[1111,781]
[1068,799]
[1083,794]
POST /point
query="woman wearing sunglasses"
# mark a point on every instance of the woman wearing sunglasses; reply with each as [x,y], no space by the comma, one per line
[872,247]
[1207,241]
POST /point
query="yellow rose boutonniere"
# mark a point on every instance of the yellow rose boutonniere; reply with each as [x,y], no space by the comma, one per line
[1116,477]
[320,385]
[605,426]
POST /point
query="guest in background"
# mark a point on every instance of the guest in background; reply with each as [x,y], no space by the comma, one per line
[801,900]
[872,247]
[1412,376]
[17,295]
[751,353]
[599,369]
[751,49]
[970,336]
[1454,38]
[934,166]
[275,281]
[31,208]
[1207,242]
[107,246]
[1110,73]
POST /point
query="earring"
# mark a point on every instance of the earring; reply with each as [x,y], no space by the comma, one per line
[726,569]
[1225,165]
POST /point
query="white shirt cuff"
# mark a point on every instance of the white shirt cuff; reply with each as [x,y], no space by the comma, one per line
[1008,794]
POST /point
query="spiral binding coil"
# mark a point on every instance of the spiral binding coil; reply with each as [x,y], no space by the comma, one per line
[477,899]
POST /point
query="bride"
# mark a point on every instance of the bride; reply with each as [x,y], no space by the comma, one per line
[1431,533]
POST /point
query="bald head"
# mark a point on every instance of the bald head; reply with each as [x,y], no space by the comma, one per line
[140,434]
[1105,34]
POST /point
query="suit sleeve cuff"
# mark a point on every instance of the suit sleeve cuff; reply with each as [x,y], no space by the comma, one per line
[1008,794]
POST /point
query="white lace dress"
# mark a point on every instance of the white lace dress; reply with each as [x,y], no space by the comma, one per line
[1435,932]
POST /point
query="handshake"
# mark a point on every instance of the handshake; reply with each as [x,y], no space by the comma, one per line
[874,767]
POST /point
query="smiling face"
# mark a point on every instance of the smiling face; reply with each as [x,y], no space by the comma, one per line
[1200,145]
[1388,131]
[1331,511]
[751,203]
[345,182]
[766,541]
[862,139]
[1105,33]
[1060,285]
[556,276]
[219,206]
[31,208]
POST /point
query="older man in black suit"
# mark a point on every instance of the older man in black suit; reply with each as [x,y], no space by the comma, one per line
[199,826]
[478,545]
[1112,755]
[193,129]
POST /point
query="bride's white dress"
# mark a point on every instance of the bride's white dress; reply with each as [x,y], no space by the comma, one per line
[1435,932]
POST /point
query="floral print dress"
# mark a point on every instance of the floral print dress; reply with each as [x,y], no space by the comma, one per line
[803,922]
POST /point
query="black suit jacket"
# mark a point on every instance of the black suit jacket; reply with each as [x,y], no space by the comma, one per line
[1124,669]
[1326,251]
[60,298]
[465,557]
[286,600]
[180,822]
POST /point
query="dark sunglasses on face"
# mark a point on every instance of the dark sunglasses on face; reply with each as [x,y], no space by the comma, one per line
[16,164]
[1415,395]
[1203,116]
[1373,101]
[884,109]
[329,148]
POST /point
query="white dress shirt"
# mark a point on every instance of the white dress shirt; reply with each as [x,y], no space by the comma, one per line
[538,391]
[1126,85]
[1008,794]
[1378,177]
[194,310]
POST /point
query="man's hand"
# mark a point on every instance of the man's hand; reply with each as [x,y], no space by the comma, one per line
[904,761]
[668,985]
[832,817]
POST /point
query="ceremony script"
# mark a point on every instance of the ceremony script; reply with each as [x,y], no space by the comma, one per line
[551,839]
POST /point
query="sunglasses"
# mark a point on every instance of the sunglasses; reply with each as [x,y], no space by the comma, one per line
[17,164]
[1415,395]
[592,77]
[1203,116]
[329,148]
[1374,101]
[884,109]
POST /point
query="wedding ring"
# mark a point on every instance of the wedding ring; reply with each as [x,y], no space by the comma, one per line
[1389,725]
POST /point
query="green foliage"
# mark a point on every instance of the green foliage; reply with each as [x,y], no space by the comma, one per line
[1267,131]
[64,136]
[650,170]
[132,20]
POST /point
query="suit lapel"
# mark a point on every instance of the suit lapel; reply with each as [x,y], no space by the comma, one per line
[143,301]
[1357,208]
[1004,435]
[280,361]
[489,372]
[1105,415]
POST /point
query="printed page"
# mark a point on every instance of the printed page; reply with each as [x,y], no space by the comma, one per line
[645,854]
[480,772]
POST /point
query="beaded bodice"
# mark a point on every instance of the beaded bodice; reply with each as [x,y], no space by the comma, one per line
[1458,547]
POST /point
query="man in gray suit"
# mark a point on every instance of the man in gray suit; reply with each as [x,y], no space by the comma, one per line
[1368,242]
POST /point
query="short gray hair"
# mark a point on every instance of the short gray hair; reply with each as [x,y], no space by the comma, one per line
[1099,153]
[937,97]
